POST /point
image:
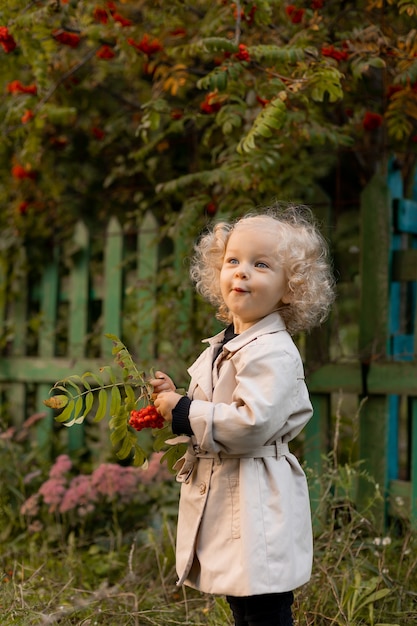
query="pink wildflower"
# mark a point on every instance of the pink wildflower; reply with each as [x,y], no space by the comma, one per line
[30,506]
[115,482]
[79,495]
[62,465]
[35,527]
[53,491]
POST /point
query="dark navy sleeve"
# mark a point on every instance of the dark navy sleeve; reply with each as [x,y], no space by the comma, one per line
[180,420]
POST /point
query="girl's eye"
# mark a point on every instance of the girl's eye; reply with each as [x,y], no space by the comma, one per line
[232,261]
[261,264]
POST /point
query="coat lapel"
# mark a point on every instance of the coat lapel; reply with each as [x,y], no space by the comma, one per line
[201,371]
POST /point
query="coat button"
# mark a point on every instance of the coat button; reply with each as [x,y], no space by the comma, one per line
[203,488]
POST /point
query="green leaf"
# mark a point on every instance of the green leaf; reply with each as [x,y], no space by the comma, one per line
[89,401]
[70,423]
[70,381]
[57,402]
[78,409]
[66,413]
[216,44]
[283,54]
[102,406]
[115,401]
[139,457]
[130,397]
[60,387]
[217,79]
[118,434]
[171,456]
[59,114]
[377,62]
[107,369]
[326,82]
[270,119]
[373,597]
[113,338]
[160,437]
[95,377]
[127,445]
[118,420]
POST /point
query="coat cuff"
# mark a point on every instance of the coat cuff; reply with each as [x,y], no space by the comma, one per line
[180,420]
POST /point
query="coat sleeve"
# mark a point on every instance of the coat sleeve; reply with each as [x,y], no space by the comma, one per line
[260,396]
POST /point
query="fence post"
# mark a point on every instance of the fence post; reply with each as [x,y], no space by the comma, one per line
[47,342]
[373,334]
[78,313]
[147,266]
[113,283]
[19,307]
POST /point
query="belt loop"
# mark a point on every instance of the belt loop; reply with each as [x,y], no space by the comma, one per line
[278,448]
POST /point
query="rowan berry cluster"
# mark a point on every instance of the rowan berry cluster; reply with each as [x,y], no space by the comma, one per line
[147,417]
[243,54]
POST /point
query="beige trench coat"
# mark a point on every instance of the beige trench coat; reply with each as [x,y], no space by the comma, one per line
[244,524]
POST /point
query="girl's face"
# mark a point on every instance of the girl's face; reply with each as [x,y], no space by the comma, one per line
[252,280]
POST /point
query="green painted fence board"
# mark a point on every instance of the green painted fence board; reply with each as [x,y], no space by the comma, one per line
[372,447]
[374,269]
[113,285]
[79,292]
[317,431]
[47,339]
[373,333]
[335,376]
[184,294]
[413,472]
[18,323]
[79,309]
[393,378]
[146,288]
[44,370]
[19,311]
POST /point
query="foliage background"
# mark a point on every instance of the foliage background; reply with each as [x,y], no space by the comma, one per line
[194,111]
[197,109]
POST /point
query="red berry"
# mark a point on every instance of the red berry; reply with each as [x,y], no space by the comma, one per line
[148,417]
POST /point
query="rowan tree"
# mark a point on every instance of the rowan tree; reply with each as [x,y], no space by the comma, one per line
[192,109]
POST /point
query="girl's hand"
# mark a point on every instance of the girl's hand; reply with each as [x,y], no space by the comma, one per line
[162,382]
[165,402]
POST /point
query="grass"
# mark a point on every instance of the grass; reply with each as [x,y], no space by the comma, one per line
[128,579]
[98,584]
[117,567]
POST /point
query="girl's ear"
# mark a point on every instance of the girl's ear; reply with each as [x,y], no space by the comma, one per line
[287,297]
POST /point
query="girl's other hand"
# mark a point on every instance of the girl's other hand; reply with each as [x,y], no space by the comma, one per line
[162,382]
[165,402]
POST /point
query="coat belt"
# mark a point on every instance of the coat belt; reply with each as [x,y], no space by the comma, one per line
[185,465]
[276,449]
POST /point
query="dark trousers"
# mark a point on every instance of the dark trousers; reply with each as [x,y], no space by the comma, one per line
[271,609]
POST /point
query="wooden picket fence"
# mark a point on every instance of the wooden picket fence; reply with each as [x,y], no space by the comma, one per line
[77,306]
[384,376]
[71,311]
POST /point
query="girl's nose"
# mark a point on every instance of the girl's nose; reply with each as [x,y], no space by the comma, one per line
[241,271]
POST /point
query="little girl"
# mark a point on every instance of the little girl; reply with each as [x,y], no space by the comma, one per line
[244,527]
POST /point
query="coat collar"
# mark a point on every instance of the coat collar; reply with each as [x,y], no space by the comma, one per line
[272,323]
[201,371]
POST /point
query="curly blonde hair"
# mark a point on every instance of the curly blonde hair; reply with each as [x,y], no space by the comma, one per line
[302,251]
